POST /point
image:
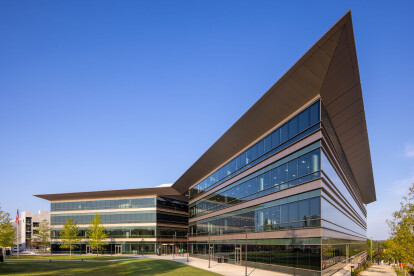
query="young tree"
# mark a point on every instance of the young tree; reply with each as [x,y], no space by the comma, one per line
[96,234]
[42,238]
[69,235]
[402,230]
[7,230]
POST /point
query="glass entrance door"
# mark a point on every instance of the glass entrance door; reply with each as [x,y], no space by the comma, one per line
[211,251]
[118,249]
[237,255]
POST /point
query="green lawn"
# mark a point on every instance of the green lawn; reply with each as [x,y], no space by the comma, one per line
[65,257]
[142,267]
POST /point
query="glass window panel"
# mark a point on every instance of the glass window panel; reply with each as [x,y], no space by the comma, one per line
[282,173]
[260,148]
[276,215]
[303,209]
[267,143]
[241,160]
[293,169]
[304,165]
[276,138]
[304,120]
[254,152]
[284,213]
[293,127]
[253,186]
[293,211]
[249,157]
[315,161]
[314,113]
[267,180]
[315,207]
[275,177]
[284,133]
[232,166]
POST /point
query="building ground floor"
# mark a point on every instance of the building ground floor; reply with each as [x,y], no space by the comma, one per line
[296,256]
[128,247]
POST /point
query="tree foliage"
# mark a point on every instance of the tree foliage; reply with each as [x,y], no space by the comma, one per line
[399,245]
[7,230]
[96,234]
[69,235]
[43,236]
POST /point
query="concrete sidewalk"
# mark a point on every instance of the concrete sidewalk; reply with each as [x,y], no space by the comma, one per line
[380,270]
[345,271]
[220,268]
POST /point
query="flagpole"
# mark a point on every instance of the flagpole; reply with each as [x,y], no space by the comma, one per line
[18,225]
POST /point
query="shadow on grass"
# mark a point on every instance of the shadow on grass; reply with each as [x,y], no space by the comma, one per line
[65,257]
[144,267]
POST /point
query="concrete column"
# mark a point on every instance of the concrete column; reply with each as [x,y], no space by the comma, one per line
[347,253]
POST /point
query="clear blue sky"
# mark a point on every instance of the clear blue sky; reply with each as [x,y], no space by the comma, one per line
[99,95]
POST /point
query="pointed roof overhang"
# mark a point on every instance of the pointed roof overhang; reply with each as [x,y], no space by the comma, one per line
[329,70]
[107,194]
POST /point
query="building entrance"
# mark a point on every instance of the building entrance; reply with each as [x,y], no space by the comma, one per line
[166,249]
[118,249]
[237,255]
[211,251]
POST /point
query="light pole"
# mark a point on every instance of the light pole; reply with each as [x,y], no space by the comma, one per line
[173,245]
[208,249]
[187,247]
[378,253]
[245,257]
[371,249]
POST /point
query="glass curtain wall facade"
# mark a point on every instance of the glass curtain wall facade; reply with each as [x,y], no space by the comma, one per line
[285,187]
[229,211]
[133,225]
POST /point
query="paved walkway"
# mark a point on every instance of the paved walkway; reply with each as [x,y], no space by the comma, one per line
[220,268]
[375,270]
[379,270]
[345,271]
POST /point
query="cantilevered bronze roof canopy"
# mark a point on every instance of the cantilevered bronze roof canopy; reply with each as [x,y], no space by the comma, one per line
[157,191]
[329,69]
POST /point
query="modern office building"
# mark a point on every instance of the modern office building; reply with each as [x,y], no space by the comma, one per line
[288,183]
[136,220]
[294,172]
[28,227]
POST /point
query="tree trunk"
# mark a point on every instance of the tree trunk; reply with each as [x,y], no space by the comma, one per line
[70,251]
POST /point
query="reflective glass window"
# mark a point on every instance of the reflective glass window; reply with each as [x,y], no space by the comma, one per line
[284,133]
[304,120]
[293,127]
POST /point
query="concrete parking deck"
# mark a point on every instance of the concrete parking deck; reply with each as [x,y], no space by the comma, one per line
[220,268]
